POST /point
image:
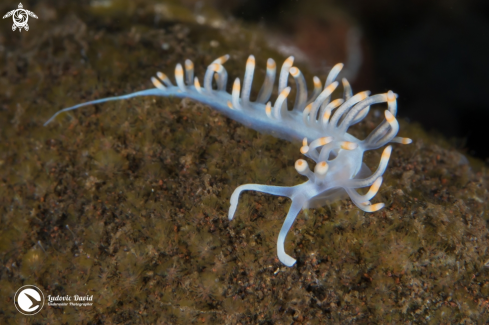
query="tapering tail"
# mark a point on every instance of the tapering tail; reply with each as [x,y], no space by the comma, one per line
[147,92]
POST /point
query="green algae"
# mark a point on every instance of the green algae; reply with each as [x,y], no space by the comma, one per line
[128,200]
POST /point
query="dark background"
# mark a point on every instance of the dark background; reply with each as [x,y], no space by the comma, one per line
[433,53]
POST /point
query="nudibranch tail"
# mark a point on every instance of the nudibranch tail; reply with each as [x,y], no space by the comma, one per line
[147,92]
[320,121]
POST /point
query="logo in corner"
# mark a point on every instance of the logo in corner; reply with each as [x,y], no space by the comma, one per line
[29,300]
[20,16]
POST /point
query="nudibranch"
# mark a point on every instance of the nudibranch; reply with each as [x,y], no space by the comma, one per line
[320,122]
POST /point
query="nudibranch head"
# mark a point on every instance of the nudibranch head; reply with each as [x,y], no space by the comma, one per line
[320,121]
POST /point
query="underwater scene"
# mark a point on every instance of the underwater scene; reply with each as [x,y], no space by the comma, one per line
[244,162]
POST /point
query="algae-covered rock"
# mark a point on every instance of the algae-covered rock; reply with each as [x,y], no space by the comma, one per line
[127,201]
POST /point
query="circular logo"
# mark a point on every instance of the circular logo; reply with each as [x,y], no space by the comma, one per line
[20,18]
[29,300]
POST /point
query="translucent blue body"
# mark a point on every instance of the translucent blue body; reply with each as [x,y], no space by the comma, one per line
[321,125]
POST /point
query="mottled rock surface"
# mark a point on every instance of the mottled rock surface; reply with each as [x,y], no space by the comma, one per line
[127,201]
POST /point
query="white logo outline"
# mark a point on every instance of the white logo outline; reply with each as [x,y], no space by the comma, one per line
[20,17]
[20,302]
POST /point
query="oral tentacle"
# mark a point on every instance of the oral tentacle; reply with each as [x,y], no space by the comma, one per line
[294,210]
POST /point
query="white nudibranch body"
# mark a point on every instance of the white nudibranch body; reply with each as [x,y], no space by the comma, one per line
[319,122]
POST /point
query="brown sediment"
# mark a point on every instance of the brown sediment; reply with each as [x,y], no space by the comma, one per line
[144,185]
